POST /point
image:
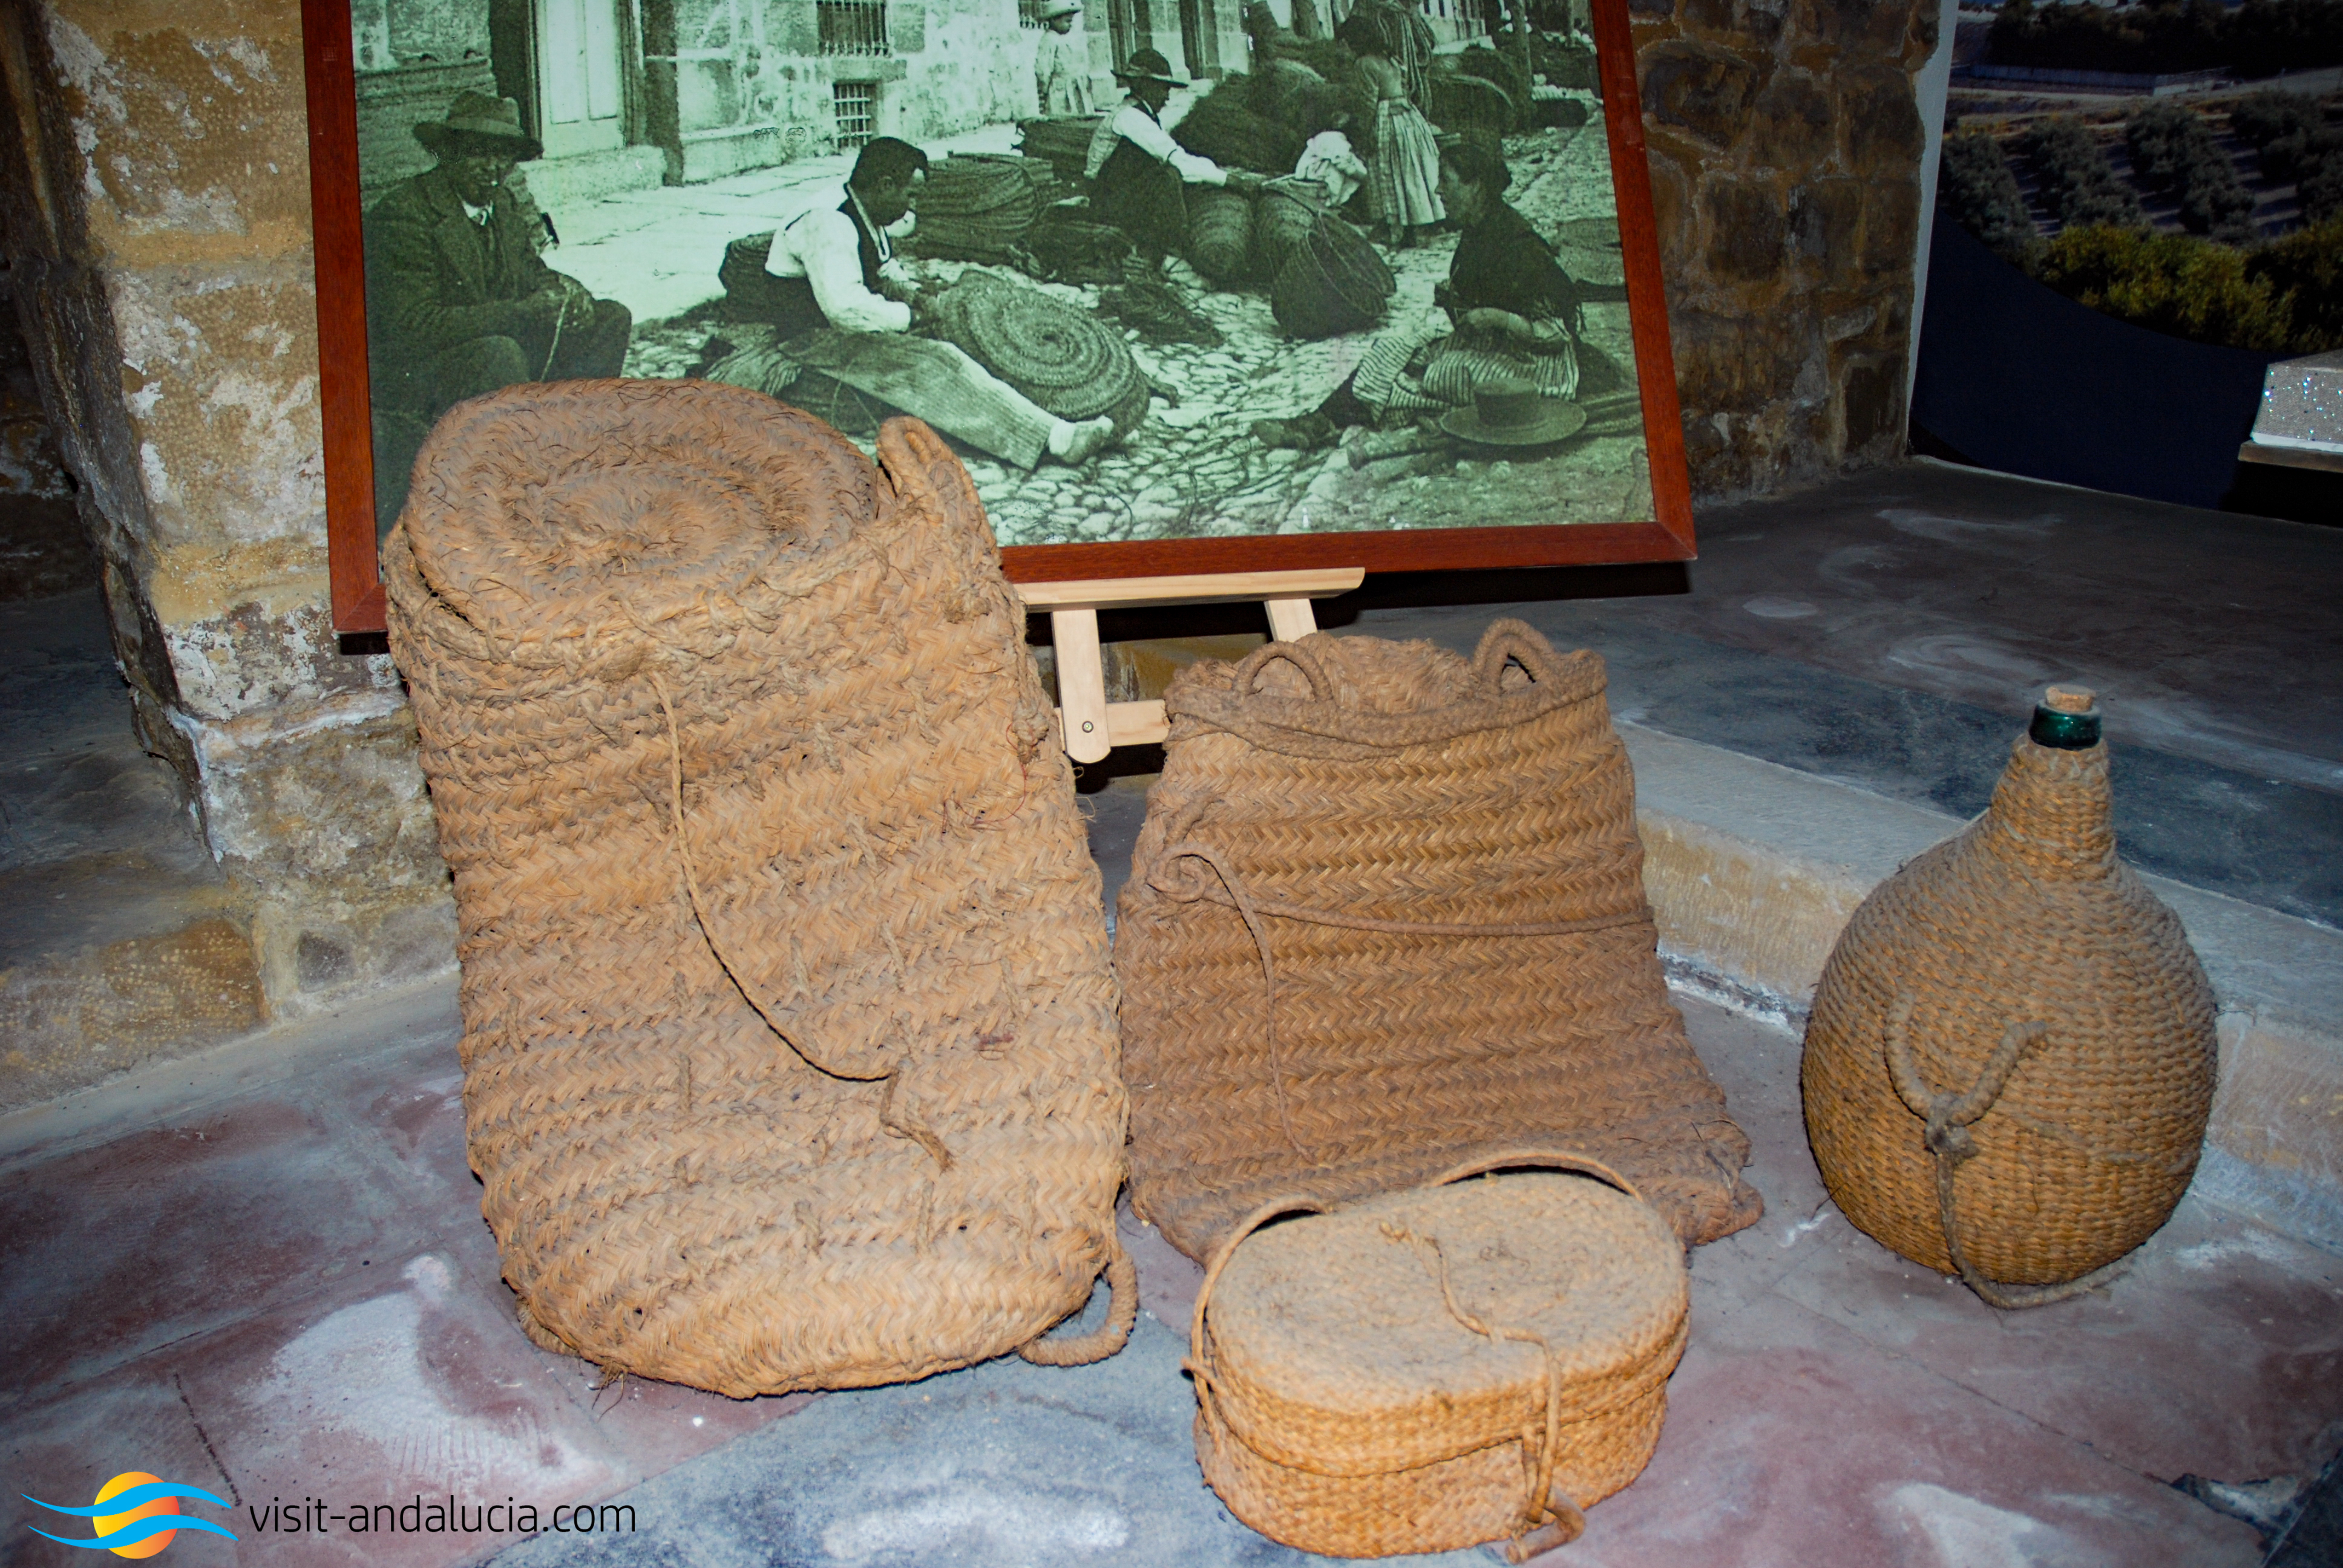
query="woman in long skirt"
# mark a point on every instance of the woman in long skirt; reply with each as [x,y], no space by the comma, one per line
[1403,174]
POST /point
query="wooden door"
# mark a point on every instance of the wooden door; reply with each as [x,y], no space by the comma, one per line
[579,95]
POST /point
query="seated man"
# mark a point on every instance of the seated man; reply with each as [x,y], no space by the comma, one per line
[841,304]
[1137,171]
[458,302]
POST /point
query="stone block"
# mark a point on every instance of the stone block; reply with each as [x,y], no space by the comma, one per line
[1726,363]
[71,1020]
[249,630]
[1883,133]
[193,125]
[312,953]
[1826,229]
[1891,227]
[1746,224]
[1791,122]
[219,368]
[307,804]
[1871,408]
[1853,28]
[1671,215]
[1706,89]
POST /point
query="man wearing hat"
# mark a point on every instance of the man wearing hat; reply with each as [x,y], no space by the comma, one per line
[1062,68]
[458,303]
[1137,171]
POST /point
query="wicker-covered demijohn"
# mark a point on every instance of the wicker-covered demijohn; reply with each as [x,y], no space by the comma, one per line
[788,1031]
[1475,1360]
[1386,914]
[2011,1056]
[1061,355]
[1331,281]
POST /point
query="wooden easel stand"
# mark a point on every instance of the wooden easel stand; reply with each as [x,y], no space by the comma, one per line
[1090,724]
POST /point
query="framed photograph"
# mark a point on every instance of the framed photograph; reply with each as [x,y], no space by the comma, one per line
[1212,286]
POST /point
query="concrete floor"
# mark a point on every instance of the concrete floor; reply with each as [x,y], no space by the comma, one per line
[263,1270]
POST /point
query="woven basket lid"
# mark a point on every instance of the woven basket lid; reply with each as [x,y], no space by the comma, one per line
[1333,1347]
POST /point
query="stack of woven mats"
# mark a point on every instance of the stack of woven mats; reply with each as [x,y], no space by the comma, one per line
[1056,353]
[789,1033]
[1385,927]
[978,207]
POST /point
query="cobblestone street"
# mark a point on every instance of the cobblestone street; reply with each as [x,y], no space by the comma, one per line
[1193,467]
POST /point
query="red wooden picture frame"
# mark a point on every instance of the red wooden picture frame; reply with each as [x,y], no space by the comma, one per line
[358,601]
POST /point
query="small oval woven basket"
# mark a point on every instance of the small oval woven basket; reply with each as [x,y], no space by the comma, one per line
[1469,1362]
[2011,1055]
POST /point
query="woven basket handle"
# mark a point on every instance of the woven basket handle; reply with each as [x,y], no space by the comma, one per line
[1294,654]
[1122,1311]
[1550,1159]
[1510,641]
[1200,1355]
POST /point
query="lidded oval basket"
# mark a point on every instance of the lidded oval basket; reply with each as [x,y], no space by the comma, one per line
[1432,1369]
[2011,1055]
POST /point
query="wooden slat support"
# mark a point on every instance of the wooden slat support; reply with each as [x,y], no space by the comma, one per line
[1089,725]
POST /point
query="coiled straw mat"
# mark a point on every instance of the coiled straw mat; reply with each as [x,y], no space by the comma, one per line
[788,1031]
[1056,353]
[2011,1055]
[1434,1368]
[1386,914]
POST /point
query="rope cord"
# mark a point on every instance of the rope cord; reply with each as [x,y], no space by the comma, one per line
[901,1125]
[1948,1117]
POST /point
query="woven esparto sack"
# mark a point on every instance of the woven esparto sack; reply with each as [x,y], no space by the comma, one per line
[1386,914]
[1434,1368]
[789,1036]
[1331,281]
[1220,232]
[2011,1055]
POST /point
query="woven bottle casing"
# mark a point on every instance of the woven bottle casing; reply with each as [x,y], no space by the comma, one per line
[1498,983]
[1434,1368]
[2024,935]
[719,721]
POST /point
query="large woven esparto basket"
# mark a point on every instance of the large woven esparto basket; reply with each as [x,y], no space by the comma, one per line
[1429,1370]
[1386,914]
[788,1031]
[2011,1056]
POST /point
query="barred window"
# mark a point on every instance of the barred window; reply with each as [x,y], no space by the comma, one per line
[852,27]
[1029,13]
[855,106]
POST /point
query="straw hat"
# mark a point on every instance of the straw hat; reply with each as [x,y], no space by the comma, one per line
[1147,65]
[1511,412]
[481,122]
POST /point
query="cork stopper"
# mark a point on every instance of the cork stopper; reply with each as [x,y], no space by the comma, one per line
[2068,699]
[2065,719]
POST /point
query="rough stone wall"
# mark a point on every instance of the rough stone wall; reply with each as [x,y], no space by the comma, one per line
[1786,147]
[158,220]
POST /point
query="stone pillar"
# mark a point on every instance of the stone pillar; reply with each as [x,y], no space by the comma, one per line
[157,214]
[1785,149]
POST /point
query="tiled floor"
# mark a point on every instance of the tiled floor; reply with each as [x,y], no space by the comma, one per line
[264,1273]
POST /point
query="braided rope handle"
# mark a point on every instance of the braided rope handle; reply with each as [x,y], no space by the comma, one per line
[1249,668]
[1122,1311]
[1948,1117]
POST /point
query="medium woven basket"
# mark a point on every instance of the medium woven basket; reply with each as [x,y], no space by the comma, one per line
[1429,1370]
[1062,356]
[789,1031]
[1282,214]
[974,207]
[1220,232]
[1386,914]
[2011,1055]
[1332,282]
